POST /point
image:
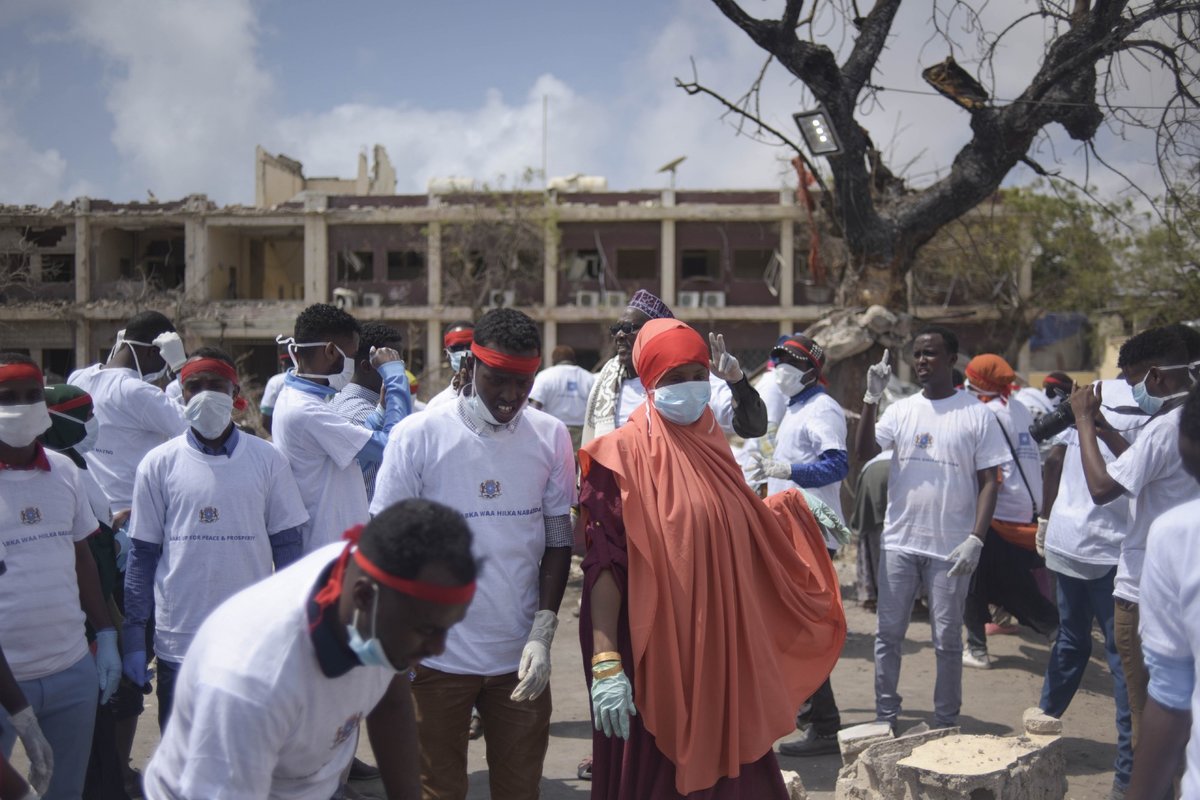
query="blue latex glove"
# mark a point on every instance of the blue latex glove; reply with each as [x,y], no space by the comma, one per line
[612,703]
[133,665]
[108,663]
[123,544]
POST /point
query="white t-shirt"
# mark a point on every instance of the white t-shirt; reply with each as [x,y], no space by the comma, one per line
[321,447]
[1169,612]
[42,516]
[505,482]
[447,395]
[563,392]
[212,516]
[633,394]
[938,446]
[271,392]
[1079,530]
[254,715]
[1034,400]
[174,391]
[135,417]
[1151,470]
[1014,501]
[807,430]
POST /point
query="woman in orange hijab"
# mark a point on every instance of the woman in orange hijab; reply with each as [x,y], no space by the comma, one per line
[708,615]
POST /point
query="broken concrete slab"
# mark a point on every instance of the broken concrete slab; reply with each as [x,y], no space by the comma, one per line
[985,768]
[872,776]
[855,739]
[795,786]
[1039,723]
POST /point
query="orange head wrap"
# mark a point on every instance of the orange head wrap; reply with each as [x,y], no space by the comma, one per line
[990,374]
[662,345]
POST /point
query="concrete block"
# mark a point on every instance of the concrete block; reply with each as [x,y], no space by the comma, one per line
[1039,723]
[984,768]
[873,776]
[795,786]
[855,739]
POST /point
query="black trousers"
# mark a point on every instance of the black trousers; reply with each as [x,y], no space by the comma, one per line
[1003,578]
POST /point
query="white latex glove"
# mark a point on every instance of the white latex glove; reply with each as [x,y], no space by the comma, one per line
[724,364]
[878,376]
[769,468]
[966,556]
[108,663]
[612,703]
[534,671]
[1041,536]
[41,757]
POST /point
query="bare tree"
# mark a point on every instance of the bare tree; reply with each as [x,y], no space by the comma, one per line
[1088,46]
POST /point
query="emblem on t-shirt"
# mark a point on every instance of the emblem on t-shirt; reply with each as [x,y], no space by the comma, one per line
[348,729]
[209,514]
[923,440]
[489,489]
[31,515]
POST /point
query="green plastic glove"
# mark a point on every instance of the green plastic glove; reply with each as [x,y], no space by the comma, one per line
[612,702]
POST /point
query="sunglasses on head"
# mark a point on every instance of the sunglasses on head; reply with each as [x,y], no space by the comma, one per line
[627,328]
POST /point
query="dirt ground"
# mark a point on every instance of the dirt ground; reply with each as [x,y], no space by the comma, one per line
[993,701]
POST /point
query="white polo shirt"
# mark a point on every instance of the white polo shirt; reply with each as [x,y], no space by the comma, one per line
[135,417]
[321,447]
[505,482]
[213,517]
[1169,611]
[807,430]
[42,516]
[563,392]
[1014,500]
[1151,470]
[254,715]
[938,446]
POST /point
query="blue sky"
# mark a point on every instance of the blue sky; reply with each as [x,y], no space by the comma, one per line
[116,97]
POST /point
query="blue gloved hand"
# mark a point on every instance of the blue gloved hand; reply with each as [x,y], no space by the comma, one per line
[133,665]
[612,702]
[108,663]
[121,535]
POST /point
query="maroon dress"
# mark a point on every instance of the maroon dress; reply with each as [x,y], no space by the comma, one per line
[636,769]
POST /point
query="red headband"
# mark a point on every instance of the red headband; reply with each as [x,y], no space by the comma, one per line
[503,361]
[430,592]
[217,367]
[458,338]
[17,372]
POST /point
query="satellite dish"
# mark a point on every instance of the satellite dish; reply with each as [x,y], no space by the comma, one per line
[670,166]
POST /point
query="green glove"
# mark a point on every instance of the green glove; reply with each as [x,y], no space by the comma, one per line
[612,701]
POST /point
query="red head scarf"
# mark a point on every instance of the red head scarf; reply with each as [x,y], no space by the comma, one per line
[662,345]
[990,374]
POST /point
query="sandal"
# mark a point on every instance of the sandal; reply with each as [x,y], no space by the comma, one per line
[584,770]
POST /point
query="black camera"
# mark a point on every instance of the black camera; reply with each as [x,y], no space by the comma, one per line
[1047,426]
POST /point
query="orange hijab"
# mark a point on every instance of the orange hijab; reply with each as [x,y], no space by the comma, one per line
[734,611]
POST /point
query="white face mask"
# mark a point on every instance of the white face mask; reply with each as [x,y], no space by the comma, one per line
[789,379]
[209,413]
[456,358]
[91,432]
[480,410]
[683,403]
[21,424]
[337,380]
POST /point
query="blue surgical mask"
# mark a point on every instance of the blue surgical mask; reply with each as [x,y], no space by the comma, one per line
[683,403]
[1148,402]
[369,652]
[456,358]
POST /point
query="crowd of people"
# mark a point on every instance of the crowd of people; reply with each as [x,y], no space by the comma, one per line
[369,558]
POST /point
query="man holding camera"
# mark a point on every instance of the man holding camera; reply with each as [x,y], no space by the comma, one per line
[1150,470]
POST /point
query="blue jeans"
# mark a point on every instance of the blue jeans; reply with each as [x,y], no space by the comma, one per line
[900,576]
[1079,602]
[65,706]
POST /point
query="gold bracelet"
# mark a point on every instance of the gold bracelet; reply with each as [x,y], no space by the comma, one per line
[607,655]
[607,672]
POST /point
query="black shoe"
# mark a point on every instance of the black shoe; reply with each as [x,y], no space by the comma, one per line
[811,744]
[362,771]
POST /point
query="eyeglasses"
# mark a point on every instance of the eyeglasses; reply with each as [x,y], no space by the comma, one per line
[627,328]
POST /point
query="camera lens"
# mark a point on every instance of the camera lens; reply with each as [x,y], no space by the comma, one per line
[1050,425]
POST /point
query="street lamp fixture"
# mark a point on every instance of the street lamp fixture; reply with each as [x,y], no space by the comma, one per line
[818,132]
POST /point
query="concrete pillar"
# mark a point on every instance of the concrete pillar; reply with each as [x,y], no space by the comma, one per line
[433,263]
[196,274]
[549,287]
[787,263]
[549,340]
[83,343]
[316,250]
[433,332]
[667,251]
[434,377]
[83,253]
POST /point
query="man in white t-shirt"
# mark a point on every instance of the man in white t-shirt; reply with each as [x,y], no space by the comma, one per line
[1170,632]
[270,393]
[1004,577]
[1154,363]
[941,494]
[456,342]
[509,469]
[278,678]
[326,451]
[213,511]
[562,391]
[810,452]
[50,585]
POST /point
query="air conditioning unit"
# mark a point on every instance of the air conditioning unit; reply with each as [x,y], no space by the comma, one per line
[372,300]
[502,298]
[616,299]
[586,299]
[713,300]
[345,298]
[688,300]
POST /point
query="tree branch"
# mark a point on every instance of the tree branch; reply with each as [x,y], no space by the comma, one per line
[873,34]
